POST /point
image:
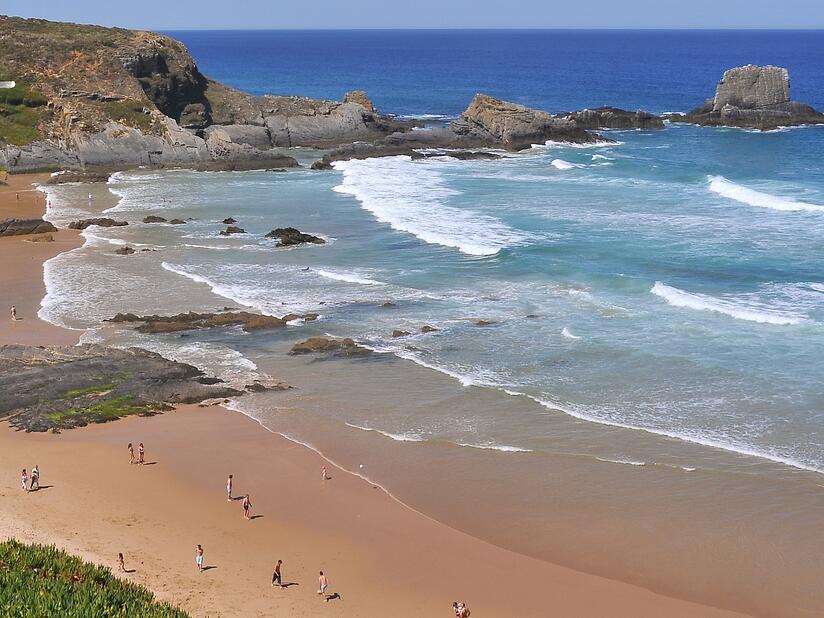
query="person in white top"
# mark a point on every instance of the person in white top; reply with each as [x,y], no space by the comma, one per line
[229,489]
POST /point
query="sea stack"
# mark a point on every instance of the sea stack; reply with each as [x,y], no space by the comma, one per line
[754,97]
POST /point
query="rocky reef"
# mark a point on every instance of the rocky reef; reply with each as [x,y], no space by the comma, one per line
[330,346]
[82,224]
[614,118]
[290,236]
[55,388]
[752,97]
[189,321]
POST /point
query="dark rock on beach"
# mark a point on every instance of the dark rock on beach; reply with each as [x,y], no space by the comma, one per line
[99,221]
[124,251]
[337,347]
[154,219]
[400,333]
[229,221]
[426,328]
[232,230]
[752,97]
[55,388]
[485,322]
[290,236]
[190,321]
[177,222]
[19,227]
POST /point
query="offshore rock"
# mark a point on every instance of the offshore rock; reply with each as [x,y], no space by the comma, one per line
[614,118]
[290,236]
[82,224]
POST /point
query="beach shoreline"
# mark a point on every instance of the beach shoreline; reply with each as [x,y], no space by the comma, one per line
[382,553]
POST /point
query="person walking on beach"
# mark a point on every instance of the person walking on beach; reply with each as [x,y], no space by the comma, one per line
[121,565]
[229,489]
[322,583]
[199,557]
[247,507]
[140,454]
[276,576]
[323,474]
[131,453]
[35,478]
[14,313]
[24,480]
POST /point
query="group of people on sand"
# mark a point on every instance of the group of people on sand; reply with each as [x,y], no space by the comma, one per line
[141,454]
[460,609]
[30,482]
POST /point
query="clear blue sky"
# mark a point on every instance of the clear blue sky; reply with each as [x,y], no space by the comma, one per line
[228,14]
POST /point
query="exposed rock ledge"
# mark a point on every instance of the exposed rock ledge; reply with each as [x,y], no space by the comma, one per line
[19,227]
[191,320]
[56,388]
[325,345]
[752,97]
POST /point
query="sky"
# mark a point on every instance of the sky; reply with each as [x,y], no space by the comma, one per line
[291,14]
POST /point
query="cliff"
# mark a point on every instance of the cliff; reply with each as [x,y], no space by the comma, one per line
[752,97]
[88,96]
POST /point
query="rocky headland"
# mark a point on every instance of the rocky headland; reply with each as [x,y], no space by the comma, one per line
[752,97]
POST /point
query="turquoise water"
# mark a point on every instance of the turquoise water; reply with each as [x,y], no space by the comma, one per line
[669,282]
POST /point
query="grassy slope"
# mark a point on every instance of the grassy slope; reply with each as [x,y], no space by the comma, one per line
[36,580]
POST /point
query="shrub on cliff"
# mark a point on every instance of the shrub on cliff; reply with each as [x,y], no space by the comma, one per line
[39,580]
[21,110]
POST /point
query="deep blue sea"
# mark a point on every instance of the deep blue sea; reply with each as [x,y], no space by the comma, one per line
[437,71]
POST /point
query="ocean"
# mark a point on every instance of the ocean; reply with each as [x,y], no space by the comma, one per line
[625,333]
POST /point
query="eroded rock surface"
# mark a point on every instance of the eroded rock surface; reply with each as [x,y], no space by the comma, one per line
[19,227]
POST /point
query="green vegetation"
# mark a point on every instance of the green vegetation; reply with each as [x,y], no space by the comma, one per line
[130,113]
[103,412]
[89,390]
[36,580]
[21,110]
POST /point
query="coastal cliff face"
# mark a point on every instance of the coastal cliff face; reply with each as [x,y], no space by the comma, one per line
[752,97]
[90,96]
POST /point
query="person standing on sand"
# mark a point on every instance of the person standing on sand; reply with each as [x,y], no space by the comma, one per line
[35,478]
[121,565]
[322,583]
[323,474]
[13,313]
[276,576]
[131,453]
[140,453]
[229,489]
[199,557]
[247,506]
[24,480]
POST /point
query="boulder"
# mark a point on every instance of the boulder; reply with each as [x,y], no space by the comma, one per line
[229,221]
[19,227]
[485,322]
[426,328]
[154,219]
[752,97]
[338,347]
[290,236]
[177,222]
[124,251]
[232,230]
[400,333]
[359,97]
[99,221]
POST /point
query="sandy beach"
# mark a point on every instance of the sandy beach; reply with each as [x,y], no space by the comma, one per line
[381,557]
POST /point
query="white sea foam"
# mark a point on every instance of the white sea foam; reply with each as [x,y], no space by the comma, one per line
[238,294]
[410,197]
[490,446]
[600,157]
[348,277]
[397,437]
[598,144]
[566,333]
[703,302]
[626,462]
[560,164]
[745,195]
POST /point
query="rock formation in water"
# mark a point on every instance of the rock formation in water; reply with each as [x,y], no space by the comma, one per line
[614,118]
[190,321]
[290,236]
[19,227]
[327,345]
[82,224]
[752,97]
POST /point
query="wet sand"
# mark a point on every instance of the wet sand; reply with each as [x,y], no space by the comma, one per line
[381,557]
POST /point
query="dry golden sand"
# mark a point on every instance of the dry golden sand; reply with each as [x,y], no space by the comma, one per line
[381,557]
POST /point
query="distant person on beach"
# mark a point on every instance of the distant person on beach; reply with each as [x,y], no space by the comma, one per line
[13,313]
[461,610]
[199,557]
[24,480]
[91,197]
[276,576]
[140,454]
[247,507]
[35,478]
[229,489]
[324,476]
[121,565]
[322,583]
[131,453]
